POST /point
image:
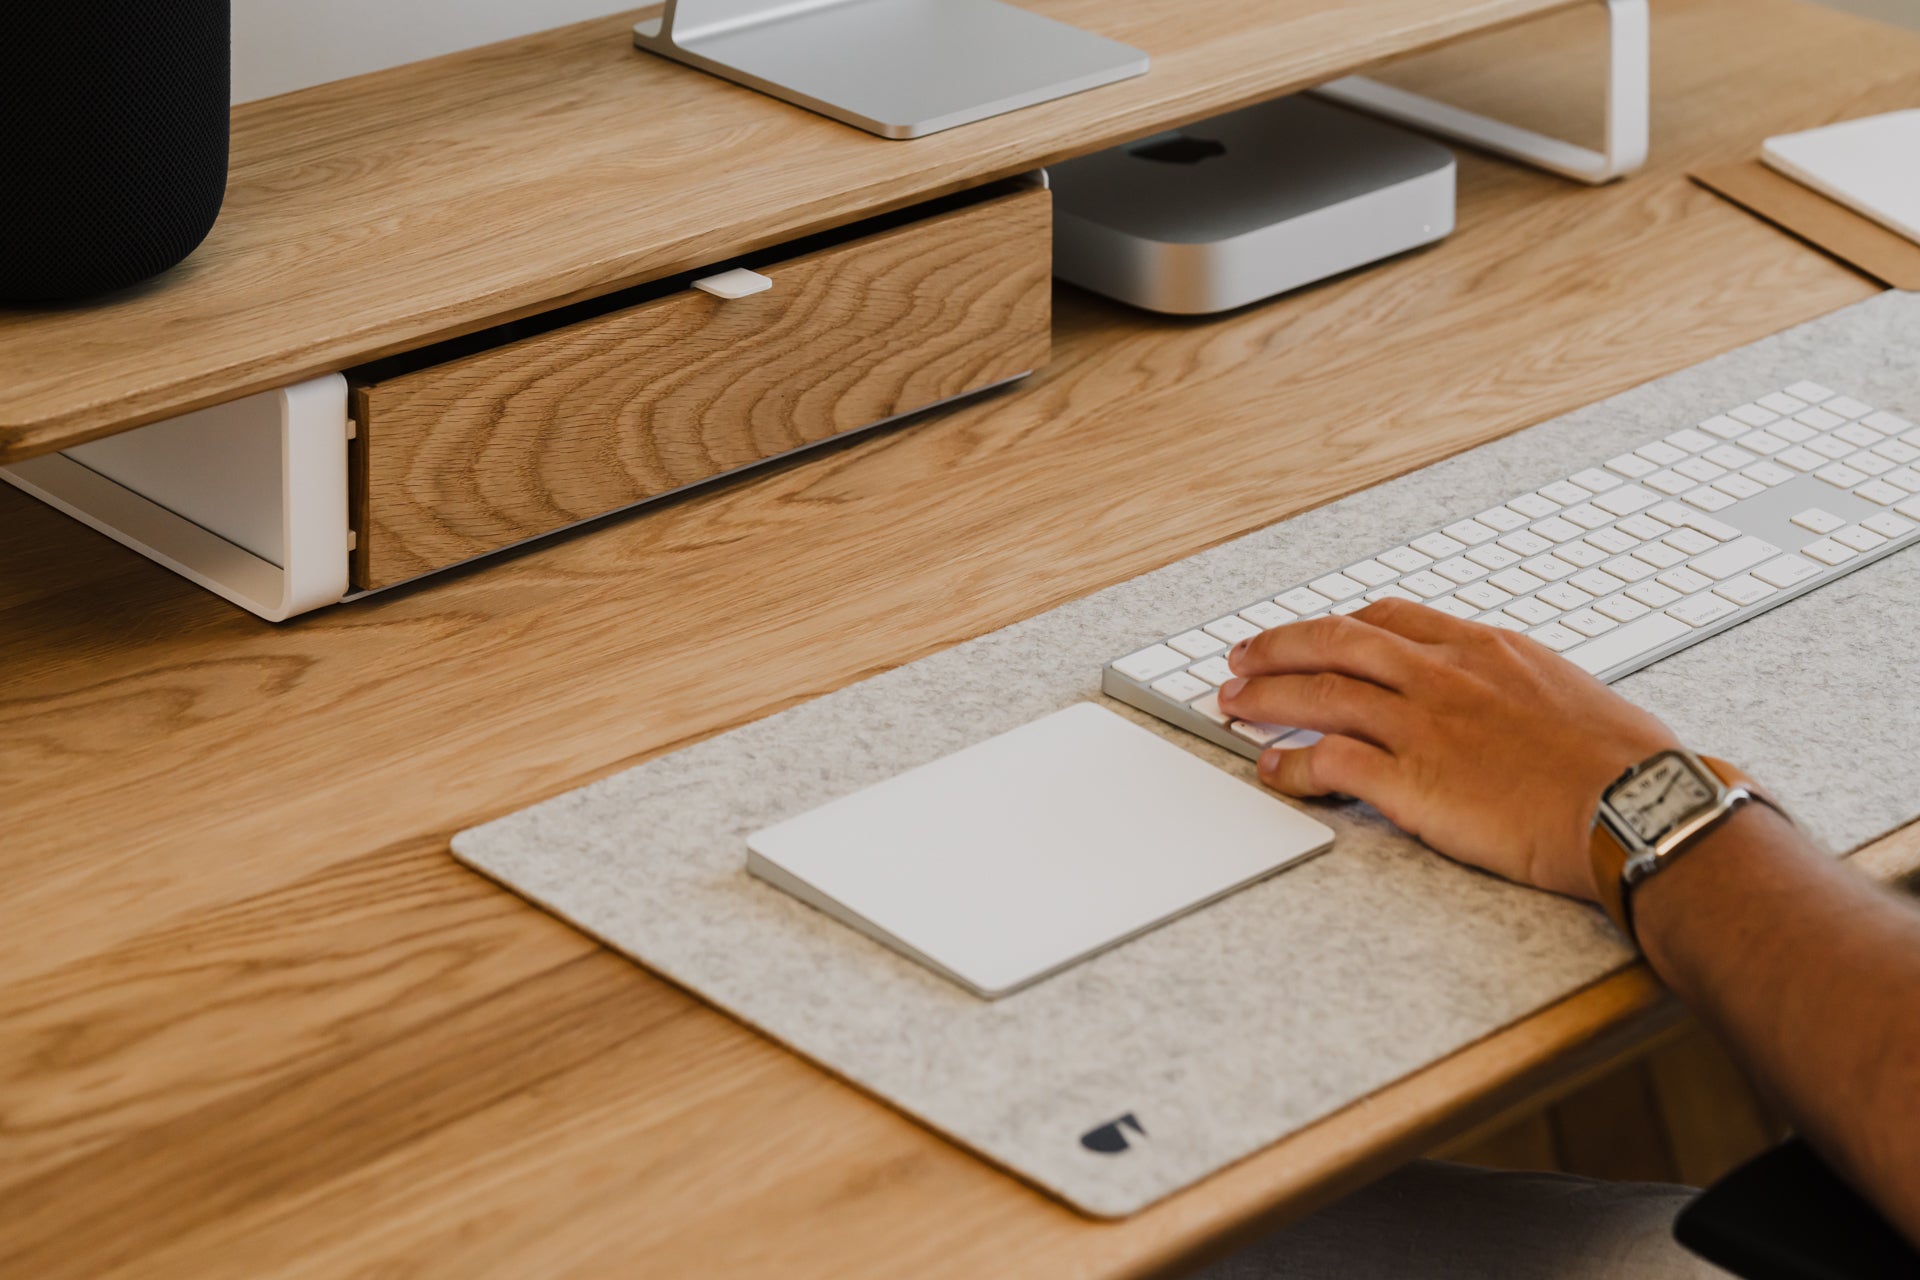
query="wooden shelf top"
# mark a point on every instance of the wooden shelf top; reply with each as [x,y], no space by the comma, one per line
[380,213]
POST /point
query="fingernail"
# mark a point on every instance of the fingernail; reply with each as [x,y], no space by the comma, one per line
[1269,761]
[1236,651]
[1231,689]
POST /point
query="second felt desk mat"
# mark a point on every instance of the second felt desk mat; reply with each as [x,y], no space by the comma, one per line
[1226,1030]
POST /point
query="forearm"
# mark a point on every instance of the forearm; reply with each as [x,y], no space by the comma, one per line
[1813,975]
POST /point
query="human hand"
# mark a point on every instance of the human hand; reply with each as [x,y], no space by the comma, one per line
[1481,742]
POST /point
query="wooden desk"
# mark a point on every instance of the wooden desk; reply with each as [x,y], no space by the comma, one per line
[258,1023]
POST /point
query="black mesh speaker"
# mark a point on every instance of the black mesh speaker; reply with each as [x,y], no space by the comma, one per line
[113,140]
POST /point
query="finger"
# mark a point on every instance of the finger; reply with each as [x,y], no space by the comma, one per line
[1332,766]
[1414,621]
[1325,702]
[1341,645]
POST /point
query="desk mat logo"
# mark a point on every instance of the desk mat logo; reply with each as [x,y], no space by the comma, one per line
[1111,1139]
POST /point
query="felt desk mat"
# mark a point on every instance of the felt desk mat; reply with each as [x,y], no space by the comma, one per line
[1230,1028]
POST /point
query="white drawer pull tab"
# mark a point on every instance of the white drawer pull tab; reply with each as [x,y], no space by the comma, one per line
[737,283]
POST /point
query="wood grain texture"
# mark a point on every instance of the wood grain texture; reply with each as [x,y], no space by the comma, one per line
[377,214]
[259,1023]
[486,451]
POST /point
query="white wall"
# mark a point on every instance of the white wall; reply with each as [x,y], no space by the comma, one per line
[280,45]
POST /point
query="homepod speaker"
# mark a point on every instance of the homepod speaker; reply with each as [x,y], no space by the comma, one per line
[113,140]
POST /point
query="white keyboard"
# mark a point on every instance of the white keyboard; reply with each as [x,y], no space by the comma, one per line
[1614,567]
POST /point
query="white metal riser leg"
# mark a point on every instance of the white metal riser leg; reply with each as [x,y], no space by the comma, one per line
[1627,95]
[247,499]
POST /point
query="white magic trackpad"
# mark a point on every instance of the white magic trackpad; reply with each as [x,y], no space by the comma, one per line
[1007,861]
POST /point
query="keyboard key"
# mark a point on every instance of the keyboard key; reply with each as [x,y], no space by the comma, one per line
[1827,551]
[1181,687]
[1858,434]
[1753,415]
[1818,419]
[1907,478]
[1260,735]
[1564,492]
[1896,451]
[1612,541]
[1563,595]
[1505,519]
[1735,557]
[1552,568]
[1595,479]
[1214,671]
[1889,525]
[1891,423]
[1233,628]
[1198,644]
[1449,604]
[1670,482]
[1631,465]
[1519,582]
[1470,532]
[1391,593]
[1556,637]
[1597,582]
[1708,498]
[1405,559]
[1791,432]
[1811,392]
[1625,501]
[1483,595]
[1701,610]
[1621,608]
[1371,573]
[1738,487]
[1828,447]
[1691,541]
[1718,530]
[1209,706]
[1881,492]
[1437,546]
[1502,621]
[1266,615]
[1743,590]
[1700,471]
[1347,606]
[1627,568]
[1685,581]
[1690,441]
[1533,506]
[1661,453]
[1786,571]
[1858,538]
[1581,555]
[1426,584]
[1641,526]
[1150,663]
[1768,473]
[1653,595]
[1302,601]
[1730,456]
[1525,542]
[1840,475]
[1586,515]
[1459,569]
[1724,427]
[1868,461]
[1814,520]
[1801,459]
[1554,529]
[1494,556]
[1762,442]
[1847,407]
[1781,402]
[1532,611]
[1587,622]
[1662,556]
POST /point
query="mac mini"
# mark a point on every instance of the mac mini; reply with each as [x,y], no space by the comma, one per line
[1245,206]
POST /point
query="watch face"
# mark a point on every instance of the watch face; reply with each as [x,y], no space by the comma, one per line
[1665,794]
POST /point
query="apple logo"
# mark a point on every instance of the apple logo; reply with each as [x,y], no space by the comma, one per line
[1110,1139]
[1180,149]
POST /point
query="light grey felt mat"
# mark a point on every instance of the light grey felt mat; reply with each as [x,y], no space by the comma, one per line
[1228,1029]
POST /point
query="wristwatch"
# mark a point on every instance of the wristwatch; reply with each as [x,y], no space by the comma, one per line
[1656,811]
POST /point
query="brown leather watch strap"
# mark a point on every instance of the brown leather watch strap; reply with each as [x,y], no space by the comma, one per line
[1609,856]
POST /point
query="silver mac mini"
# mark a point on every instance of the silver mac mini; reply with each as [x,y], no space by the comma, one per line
[1245,206]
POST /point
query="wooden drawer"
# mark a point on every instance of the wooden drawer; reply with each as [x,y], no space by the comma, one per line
[512,441]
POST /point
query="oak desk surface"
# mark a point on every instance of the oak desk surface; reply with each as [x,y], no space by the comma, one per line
[257,1022]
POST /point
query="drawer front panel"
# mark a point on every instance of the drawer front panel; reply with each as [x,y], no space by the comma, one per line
[470,456]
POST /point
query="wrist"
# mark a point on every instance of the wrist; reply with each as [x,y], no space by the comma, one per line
[1724,863]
